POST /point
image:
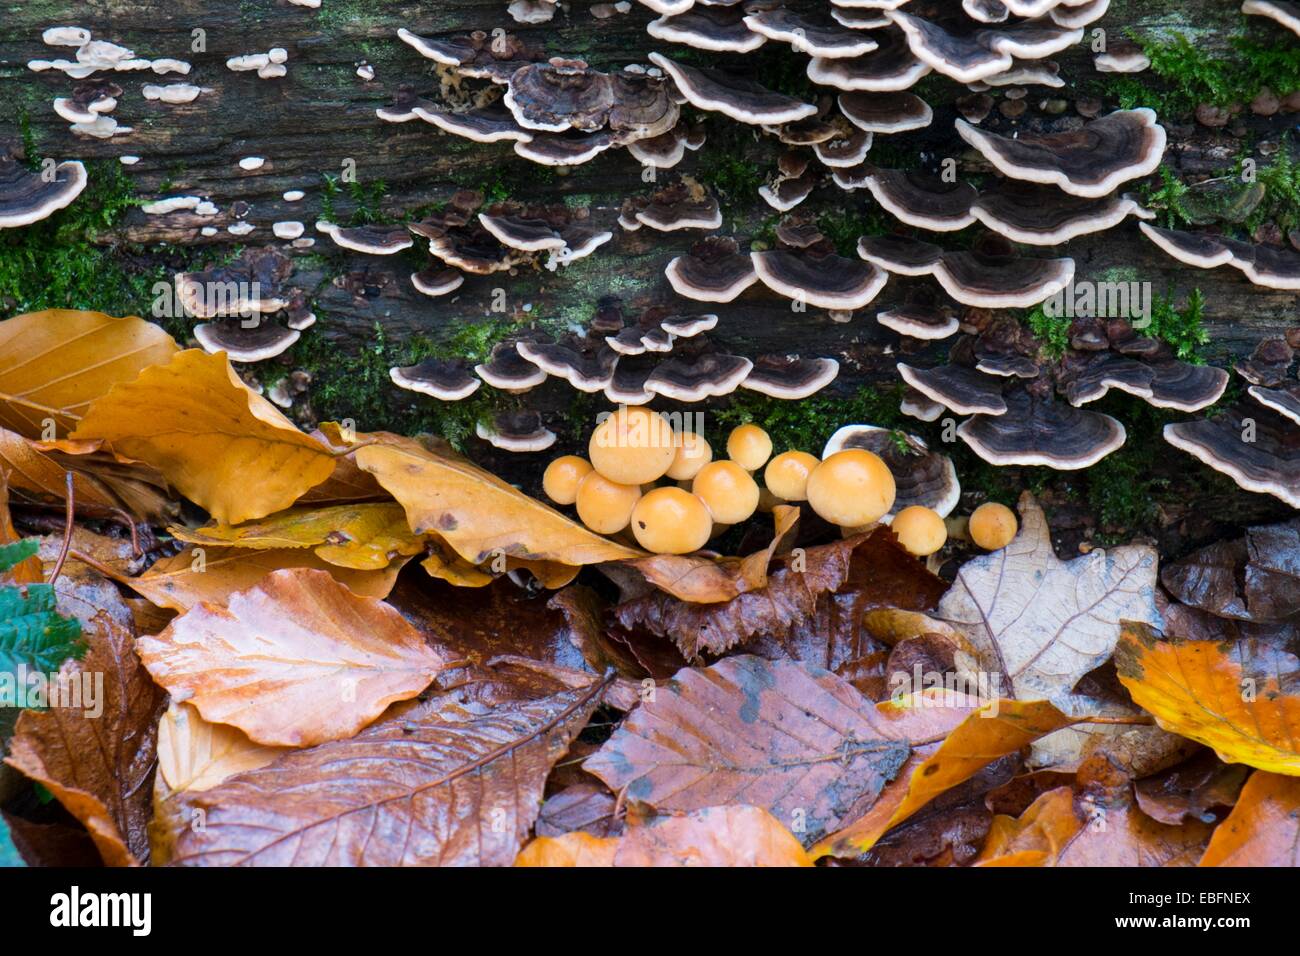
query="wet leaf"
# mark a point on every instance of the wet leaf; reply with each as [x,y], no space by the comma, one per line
[224,447]
[99,765]
[793,739]
[195,754]
[582,806]
[1254,578]
[1263,828]
[296,660]
[474,511]
[709,836]
[446,781]
[1241,700]
[213,574]
[365,537]
[60,361]
[1192,790]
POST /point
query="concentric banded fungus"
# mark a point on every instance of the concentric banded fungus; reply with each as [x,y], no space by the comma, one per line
[1037,431]
[1001,282]
[1043,216]
[447,381]
[88,101]
[900,255]
[688,326]
[586,371]
[666,150]
[683,205]
[627,384]
[885,112]
[859,19]
[890,68]
[559,95]
[517,232]
[1079,15]
[570,149]
[1263,265]
[520,431]
[437,280]
[1269,363]
[532,11]
[785,192]
[844,151]
[372,240]
[713,270]
[1285,401]
[509,371]
[1121,56]
[705,376]
[926,202]
[819,278]
[920,321]
[805,35]
[254,283]
[480,125]
[1088,162]
[476,56]
[921,477]
[957,387]
[25,195]
[1283,11]
[960,56]
[740,99]
[244,343]
[1023,73]
[718,29]
[1254,446]
[789,376]
[918,406]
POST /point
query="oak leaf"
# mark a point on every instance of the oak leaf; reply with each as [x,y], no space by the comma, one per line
[709,836]
[443,781]
[59,361]
[223,446]
[1242,700]
[99,766]
[294,661]
[1263,829]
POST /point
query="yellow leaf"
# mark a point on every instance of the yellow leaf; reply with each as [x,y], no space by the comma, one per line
[1231,697]
[475,512]
[361,536]
[195,754]
[224,447]
[185,579]
[57,362]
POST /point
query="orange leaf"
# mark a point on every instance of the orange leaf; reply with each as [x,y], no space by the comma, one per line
[1263,828]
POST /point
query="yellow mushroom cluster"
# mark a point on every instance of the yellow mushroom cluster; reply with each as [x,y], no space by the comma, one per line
[667,488]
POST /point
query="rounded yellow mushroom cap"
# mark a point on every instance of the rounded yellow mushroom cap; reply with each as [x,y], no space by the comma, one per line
[729,491]
[605,506]
[786,475]
[749,447]
[561,478]
[920,530]
[632,446]
[992,526]
[851,488]
[693,453]
[671,521]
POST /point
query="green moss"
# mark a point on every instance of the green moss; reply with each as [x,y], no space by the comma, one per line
[1183,328]
[1193,74]
[1169,199]
[1053,331]
[365,200]
[807,424]
[844,225]
[1281,182]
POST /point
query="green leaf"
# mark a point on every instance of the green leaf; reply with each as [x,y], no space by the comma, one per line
[17,552]
[9,855]
[32,633]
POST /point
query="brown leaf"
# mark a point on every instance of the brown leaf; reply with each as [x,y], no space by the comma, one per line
[62,360]
[812,604]
[1191,790]
[1263,828]
[444,781]
[213,574]
[793,739]
[28,570]
[703,580]
[35,476]
[582,806]
[474,511]
[710,836]
[1254,578]
[99,767]
[224,447]
[294,661]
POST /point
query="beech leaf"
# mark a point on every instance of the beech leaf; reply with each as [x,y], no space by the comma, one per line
[1263,829]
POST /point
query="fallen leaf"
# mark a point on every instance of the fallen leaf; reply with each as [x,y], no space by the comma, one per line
[1238,699]
[1192,790]
[1253,578]
[812,604]
[475,512]
[709,836]
[435,782]
[365,537]
[213,574]
[26,569]
[582,806]
[704,580]
[793,739]
[296,660]
[1263,828]
[34,476]
[1036,837]
[99,766]
[59,361]
[224,447]
[195,754]
[995,730]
